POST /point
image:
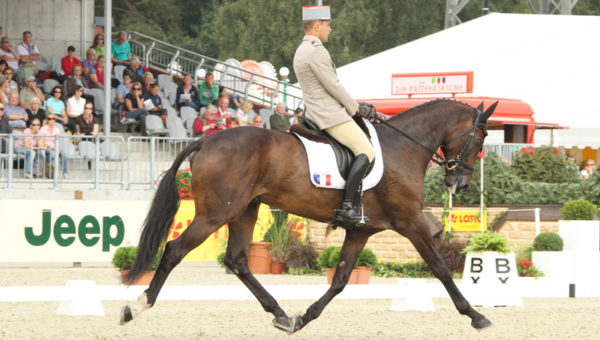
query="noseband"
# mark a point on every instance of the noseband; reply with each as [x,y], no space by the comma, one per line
[449,164]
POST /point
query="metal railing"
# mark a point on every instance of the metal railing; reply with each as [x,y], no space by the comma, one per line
[505,151]
[259,88]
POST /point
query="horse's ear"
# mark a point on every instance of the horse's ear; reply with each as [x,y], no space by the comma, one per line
[489,111]
[480,107]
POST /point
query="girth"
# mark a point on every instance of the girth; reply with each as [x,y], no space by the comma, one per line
[344,156]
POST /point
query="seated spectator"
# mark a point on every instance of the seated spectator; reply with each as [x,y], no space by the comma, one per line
[123,90]
[136,69]
[69,61]
[89,63]
[5,129]
[223,95]
[209,92]
[14,87]
[148,79]
[243,112]
[134,106]
[235,102]
[75,107]
[3,65]
[154,104]
[121,51]
[223,111]
[210,123]
[17,117]
[87,124]
[9,54]
[77,79]
[29,55]
[588,169]
[257,121]
[97,74]
[235,122]
[51,131]
[98,45]
[4,89]
[35,111]
[279,120]
[31,145]
[30,91]
[187,94]
[56,107]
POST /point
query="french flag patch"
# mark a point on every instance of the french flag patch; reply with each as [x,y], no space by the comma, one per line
[327,177]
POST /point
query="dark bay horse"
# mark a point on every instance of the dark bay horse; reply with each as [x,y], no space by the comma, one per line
[233,171]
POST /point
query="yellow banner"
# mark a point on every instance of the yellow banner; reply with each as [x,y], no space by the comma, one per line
[466,221]
[215,244]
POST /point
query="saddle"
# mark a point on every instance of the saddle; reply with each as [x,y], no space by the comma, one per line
[344,157]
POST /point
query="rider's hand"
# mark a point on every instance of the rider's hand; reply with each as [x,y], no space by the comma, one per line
[366,110]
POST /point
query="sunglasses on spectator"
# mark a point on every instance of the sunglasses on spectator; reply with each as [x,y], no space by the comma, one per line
[136,88]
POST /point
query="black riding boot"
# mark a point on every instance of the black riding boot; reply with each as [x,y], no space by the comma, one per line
[346,214]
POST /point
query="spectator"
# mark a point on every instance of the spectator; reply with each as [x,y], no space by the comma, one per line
[257,121]
[187,94]
[210,122]
[31,145]
[4,129]
[235,102]
[136,69]
[77,79]
[97,74]
[3,65]
[14,87]
[89,62]
[51,131]
[69,61]
[588,169]
[123,90]
[154,104]
[209,92]
[223,95]
[29,55]
[223,110]
[17,117]
[56,106]
[87,124]
[75,107]
[243,112]
[9,54]
[98,45]
[30,91]
[235,122]
[279,120]
[148,79]
[35,111]
[4,89]
[121,51]
[134,106]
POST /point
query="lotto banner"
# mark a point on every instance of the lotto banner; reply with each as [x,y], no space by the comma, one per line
[215,243]
[466,221]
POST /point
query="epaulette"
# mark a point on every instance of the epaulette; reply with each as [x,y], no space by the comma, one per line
[316,43]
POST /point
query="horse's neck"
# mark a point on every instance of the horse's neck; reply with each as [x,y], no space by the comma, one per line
[430,124]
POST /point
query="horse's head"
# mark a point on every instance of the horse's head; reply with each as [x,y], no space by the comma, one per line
[461,146]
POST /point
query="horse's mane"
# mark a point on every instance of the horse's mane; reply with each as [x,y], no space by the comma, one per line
[417,108]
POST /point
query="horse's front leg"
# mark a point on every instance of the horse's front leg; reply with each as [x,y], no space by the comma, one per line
[423,242]
[353,243]
[236,259]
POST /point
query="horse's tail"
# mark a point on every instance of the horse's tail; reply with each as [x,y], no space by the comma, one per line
[162,211]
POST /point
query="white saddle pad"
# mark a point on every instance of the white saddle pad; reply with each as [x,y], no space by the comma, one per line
[324,172]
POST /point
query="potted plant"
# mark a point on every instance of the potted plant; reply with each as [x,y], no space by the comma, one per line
[280,238]
[580,234]
[183,179]
[329,259]
[365,262]
[548,256]
[124,258]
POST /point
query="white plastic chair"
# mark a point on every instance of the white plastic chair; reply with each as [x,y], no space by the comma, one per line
[265,114]
[87,150]
[111,152]
[49,84]
[119,70]
[162,80]
[176,128]
[56,64]
[154,126]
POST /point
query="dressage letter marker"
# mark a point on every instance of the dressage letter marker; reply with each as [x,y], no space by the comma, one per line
[490,279]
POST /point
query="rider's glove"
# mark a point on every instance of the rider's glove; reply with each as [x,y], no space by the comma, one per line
[366,110]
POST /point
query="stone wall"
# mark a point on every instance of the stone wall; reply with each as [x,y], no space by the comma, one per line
[390,246]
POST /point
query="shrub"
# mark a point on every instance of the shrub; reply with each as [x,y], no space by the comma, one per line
[544,164]
[124,258]
[221,259]
[279,234]
[578,210]
[325,256]
[366,258]
[487,241]
[301,254]
[407,269]
[548,242]
[451,252]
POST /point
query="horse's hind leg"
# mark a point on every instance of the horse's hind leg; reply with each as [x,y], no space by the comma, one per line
[423,242]
[175,250]
[236,259]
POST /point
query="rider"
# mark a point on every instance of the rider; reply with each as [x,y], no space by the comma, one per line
[331,107]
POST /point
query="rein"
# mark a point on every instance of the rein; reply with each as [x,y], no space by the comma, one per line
[449,164]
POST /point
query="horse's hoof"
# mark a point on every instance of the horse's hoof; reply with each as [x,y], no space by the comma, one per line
[283,323]
[481,323]
[297,322]
[126,315]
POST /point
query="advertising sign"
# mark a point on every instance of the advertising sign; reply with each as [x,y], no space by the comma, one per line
[432,83]
[466,221]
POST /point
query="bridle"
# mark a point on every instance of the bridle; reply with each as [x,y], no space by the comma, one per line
[450,165]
